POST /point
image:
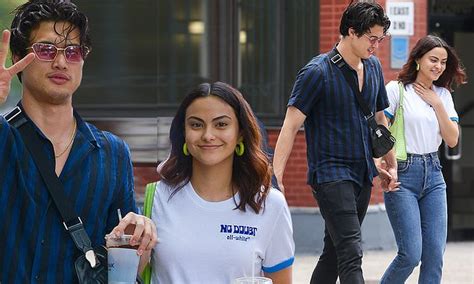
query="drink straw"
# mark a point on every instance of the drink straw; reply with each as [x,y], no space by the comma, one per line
[119,213]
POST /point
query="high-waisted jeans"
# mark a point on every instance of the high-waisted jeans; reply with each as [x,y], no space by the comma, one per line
[418,215]
[343,205]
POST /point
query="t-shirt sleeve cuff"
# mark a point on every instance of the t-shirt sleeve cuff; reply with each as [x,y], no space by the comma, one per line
[280,266]
[387,114]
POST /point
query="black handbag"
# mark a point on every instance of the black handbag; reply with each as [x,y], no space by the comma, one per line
[382,139]
[88,275]
[91,264]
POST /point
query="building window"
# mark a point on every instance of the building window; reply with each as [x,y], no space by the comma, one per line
[148,54]
[277,38]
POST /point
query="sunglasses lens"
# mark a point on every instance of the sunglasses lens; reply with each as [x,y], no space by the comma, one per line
[48,52]
[73,53]
[376,40]
[45,51]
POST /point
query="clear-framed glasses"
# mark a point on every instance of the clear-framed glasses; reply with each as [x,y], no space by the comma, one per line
[48,52]
[376,39]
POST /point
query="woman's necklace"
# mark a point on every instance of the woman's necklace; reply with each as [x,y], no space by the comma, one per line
[73,134]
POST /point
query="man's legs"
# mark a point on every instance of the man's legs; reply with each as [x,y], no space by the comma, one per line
[343,205]
[326,269]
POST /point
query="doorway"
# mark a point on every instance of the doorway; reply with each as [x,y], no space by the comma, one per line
[455,24]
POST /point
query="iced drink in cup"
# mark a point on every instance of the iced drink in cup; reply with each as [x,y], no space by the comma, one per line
[122,259]
[253,280]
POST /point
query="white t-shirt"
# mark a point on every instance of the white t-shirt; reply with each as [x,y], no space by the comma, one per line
[422,132]
[210,242]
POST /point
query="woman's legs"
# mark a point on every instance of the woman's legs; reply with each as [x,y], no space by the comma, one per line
[433,209]
[404,215]
[418,215]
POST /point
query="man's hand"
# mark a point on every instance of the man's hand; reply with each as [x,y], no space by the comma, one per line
[6,74]
[393,183]
[388,175]
[142,228]
[294,118]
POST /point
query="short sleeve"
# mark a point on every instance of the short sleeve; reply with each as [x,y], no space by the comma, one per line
[9,152]
[281,248]
[124,195]
[307,89]
[393,98]
[382,100]
[448,103]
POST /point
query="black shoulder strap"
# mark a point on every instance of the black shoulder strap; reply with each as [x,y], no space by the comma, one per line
[15,117]
[337,59]
[71,221]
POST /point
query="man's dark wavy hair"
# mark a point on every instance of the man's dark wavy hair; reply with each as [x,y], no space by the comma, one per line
[29,15]
[361,16]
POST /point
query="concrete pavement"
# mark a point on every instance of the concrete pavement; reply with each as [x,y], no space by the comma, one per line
[458,265]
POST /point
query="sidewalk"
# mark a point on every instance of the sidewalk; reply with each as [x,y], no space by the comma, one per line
[458,265]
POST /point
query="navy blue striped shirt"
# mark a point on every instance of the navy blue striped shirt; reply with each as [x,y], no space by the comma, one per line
[97,177]
[337,134]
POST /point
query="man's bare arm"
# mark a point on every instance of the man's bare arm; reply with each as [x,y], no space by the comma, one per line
[293,120]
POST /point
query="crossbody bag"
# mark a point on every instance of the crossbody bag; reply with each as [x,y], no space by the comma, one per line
[147,208]
[398,127]
[91,265]
[382,139]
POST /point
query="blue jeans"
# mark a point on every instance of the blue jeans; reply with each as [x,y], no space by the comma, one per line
[418,215]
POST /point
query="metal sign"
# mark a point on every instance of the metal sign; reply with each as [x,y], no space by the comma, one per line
[402,15]
[398,51]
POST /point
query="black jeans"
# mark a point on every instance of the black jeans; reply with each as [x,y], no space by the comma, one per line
[343,205]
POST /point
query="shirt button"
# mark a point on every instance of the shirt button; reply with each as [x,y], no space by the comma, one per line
[37,277]
[42,242]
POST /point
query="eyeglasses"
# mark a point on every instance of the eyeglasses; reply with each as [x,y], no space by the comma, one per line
[48,52]
[375,39]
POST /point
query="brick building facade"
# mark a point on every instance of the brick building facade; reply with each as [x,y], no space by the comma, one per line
[298,193]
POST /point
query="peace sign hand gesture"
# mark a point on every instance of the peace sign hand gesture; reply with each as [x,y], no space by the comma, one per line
[6,74]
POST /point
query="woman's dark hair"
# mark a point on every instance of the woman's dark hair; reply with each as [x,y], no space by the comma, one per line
[251,173]
[454,72]
[361,16]
[29,15]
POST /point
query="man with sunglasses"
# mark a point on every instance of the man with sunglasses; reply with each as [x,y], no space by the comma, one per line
[339,150]
[49,43]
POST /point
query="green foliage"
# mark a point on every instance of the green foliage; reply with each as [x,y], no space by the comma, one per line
[6,17]
[6,9]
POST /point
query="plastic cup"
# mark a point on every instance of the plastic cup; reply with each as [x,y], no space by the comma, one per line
[253,280]
[122,260]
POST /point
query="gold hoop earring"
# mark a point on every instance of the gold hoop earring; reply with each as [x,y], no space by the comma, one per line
[185,149]
[417,66]
[239,149]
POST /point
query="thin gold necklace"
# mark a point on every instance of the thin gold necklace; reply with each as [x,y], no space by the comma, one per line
[70,141]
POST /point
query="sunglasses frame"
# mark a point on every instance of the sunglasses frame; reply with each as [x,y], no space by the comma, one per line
[374,39]
[84,51]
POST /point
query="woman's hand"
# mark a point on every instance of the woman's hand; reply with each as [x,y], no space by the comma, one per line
[143,230]
[427,95]
[387,173]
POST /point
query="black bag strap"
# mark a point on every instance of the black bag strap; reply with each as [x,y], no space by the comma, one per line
[72,223]
[337,59]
